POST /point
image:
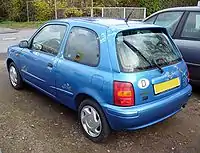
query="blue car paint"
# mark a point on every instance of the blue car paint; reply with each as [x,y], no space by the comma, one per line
[67,79]
[144,115]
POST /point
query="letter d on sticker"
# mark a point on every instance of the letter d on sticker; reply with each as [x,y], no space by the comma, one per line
[143,83]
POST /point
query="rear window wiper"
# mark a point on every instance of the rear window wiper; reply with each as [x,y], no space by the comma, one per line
[136,50]
[155,63]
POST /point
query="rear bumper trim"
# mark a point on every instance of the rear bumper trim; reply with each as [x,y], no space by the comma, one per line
[136,117]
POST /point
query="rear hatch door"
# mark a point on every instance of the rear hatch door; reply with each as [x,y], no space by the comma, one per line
[151,62]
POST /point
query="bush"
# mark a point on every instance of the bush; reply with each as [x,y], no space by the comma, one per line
[152,6]
[1,19]
[155,5]
[73,12]
[16,10]
[43,11]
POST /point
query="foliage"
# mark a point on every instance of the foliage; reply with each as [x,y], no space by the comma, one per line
[152,6]
[43,11]
[61,5]
[127,3]
[73,12]
[155,5]
[16,12]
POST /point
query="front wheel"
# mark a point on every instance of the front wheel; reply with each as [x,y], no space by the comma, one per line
[93,121]
[14,76]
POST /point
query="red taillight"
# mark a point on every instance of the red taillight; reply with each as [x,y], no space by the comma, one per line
[123,94]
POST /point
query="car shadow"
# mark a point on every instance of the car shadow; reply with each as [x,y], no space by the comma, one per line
[70,116]
[56,106]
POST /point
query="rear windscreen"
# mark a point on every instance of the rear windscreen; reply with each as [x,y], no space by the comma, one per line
[139,50]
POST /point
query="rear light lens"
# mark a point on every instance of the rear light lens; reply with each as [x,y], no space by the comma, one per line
[123,94]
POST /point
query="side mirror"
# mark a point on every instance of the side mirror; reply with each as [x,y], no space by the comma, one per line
[24,44]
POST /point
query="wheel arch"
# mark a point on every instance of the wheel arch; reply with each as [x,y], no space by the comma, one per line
[81,97]
[8,62]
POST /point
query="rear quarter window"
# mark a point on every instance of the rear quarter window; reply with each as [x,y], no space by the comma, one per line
[83,46]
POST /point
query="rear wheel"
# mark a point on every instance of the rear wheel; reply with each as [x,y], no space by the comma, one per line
[14,76]
[93,121]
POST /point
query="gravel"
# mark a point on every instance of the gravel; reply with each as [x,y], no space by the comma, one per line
[30,122]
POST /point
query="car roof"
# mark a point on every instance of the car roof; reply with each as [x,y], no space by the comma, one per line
[187,8]
[116,24]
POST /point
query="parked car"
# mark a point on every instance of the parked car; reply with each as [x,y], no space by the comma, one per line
[117,75]
[183,24]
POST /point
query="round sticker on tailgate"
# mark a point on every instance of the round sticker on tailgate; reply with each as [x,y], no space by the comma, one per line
[143,83]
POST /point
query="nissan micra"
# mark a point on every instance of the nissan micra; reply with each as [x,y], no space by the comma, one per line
[117,75]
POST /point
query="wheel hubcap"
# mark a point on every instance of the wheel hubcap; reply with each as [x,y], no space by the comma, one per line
[91,121]
[13,75]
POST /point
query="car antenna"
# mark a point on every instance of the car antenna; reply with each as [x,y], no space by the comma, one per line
[126,19]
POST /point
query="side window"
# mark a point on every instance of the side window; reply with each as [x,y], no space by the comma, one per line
[83,46]
[49,39]
[192,26]
[169,20]
[151,20]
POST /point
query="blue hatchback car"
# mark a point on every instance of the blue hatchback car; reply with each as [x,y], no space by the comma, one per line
[117,75]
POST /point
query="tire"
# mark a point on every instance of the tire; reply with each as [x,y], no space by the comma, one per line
[103,129]
[18,83]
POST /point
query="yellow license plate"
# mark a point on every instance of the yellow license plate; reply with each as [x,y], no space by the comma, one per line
[164,86]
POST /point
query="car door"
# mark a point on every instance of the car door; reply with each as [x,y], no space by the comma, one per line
[188,40]
[38,63]
[76,69]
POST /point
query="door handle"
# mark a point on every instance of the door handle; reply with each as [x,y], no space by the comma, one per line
[50,65]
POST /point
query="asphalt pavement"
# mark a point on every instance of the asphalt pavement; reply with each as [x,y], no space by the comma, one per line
[11,37]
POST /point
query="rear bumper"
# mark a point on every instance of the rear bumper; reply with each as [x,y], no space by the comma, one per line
[136,117]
